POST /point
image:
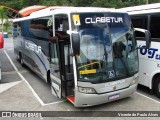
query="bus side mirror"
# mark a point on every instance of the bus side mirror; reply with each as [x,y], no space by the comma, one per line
[147,36]
[1,41]
[76,44]
[148,39]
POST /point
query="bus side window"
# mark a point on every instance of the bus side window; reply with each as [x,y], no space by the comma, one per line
[61,26]
[140,22]
[41,28]
[155,26]
[65,25]
[14,30]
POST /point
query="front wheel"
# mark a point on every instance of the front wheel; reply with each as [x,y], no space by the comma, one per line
[157,87]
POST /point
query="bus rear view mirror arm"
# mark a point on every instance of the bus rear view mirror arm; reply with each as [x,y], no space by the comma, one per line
[147,36]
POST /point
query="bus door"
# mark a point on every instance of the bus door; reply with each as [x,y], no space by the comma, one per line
[55,76]
[65,84]
[61,27]
[66,68]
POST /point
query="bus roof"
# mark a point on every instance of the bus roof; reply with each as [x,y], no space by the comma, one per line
[64,9]
[142,9]
[28,10]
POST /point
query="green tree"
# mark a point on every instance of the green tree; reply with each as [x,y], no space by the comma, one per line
[3,15]
[7,25]
[81,2]
[153,1]
[19,4]
[55,2]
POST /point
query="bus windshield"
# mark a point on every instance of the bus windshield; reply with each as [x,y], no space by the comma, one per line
[107,47]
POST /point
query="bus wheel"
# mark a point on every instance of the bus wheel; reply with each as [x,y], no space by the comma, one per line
[21,59]
[157,87]
[48,78]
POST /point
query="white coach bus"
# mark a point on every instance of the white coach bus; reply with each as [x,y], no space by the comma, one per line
[89,55]
[148,17]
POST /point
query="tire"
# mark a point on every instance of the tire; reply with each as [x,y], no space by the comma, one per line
[48,78]
[157,87]
[21,59]
[18,58]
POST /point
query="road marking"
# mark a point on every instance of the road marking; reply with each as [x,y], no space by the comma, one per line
[148,97]
[54,103]
[34,93]
[13,72]
[6,86]
[10,49]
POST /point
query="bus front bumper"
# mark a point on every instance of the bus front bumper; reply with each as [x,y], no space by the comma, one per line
[84,100]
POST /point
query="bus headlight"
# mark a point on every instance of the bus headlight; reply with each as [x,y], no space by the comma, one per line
[134,81]
[86,90]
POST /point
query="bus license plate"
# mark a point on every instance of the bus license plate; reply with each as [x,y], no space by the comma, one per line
[115,96]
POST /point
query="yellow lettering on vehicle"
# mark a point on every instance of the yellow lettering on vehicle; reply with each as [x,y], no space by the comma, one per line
[87,71]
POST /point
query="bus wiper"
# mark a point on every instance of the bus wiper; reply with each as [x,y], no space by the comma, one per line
[106,58]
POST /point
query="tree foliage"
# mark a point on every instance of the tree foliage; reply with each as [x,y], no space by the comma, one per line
[7,25]
[3,16]
[19,4]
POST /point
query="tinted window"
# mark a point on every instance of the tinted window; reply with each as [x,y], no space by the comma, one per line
[139,22]
[61,26]
[39,31]
[16,29]
[155,26]
[41,28]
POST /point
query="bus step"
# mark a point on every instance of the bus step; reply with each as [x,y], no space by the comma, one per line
[71,99]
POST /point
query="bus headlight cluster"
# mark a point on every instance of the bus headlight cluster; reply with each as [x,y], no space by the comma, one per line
[86,90]
[134,81]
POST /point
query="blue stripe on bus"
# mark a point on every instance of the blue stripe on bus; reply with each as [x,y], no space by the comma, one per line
[41,61]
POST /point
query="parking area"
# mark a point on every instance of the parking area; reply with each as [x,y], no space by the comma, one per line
[22,90]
